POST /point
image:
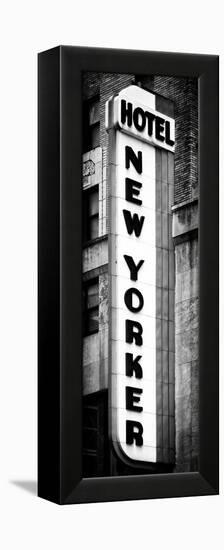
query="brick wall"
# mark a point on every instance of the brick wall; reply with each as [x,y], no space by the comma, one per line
[184,93]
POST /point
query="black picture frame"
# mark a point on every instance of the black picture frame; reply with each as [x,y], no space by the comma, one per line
[60,275]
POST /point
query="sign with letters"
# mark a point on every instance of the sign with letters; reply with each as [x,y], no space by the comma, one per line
[135,129]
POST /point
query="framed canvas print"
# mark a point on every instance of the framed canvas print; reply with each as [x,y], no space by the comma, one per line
[128,275]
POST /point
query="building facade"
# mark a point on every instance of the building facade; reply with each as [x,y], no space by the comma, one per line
[177,291]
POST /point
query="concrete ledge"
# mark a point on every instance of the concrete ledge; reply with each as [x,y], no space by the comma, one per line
[95,255]
[185,221]
[95,241]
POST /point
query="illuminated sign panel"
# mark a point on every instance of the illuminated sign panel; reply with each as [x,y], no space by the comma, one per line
[133,112]
[135,129]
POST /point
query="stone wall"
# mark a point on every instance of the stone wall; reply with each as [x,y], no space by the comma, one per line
[185,233]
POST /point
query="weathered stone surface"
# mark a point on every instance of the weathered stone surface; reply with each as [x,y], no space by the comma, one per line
[165,279]
[185,218]
[187,418]
[98,173]
[159,165]
[158,229]
[164,166]
[95,256]
[165,366]
[103,373]
[187,285]
[165,398]
[95,360]
[159,266]
[165,335]
[103,342]
[170,196]
[187,315]
[171,366]
[194,282]
[158,196]
[92,167]
[182,347]
[158,333]
[103,356]
[159,365]
[91,377]
[103,299]
[187,348]
[171,271]
[95,155]
[159,302]
[184,440]
[194,253]
[164,202]
[159,394]
[186,255]
[180,282]
[88,168]
[165,304]
[182,253]
[165,234]
[171,336]
[90,348]
[170,238]
[171,409]
[170,168]
[183,381]
[195,393]
[171,305]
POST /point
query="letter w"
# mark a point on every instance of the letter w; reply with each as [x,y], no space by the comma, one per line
[133,223]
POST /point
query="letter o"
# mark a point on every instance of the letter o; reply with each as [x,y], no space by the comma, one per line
[128,297]
[138,112]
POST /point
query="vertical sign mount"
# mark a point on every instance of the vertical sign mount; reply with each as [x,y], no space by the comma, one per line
[135,129]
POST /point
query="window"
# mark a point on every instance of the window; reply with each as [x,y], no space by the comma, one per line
[95,435]
[91,124]
[90,420]
[91,214]
[91,307]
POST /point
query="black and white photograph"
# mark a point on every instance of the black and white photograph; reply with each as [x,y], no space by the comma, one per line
[112,227]
[140,274]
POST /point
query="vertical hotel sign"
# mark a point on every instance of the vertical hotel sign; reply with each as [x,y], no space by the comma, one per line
[135,129]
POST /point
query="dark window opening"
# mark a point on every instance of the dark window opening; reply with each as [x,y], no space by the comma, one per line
[145,81]
[91,307]
[91,214]
[95,435]
[91,124]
